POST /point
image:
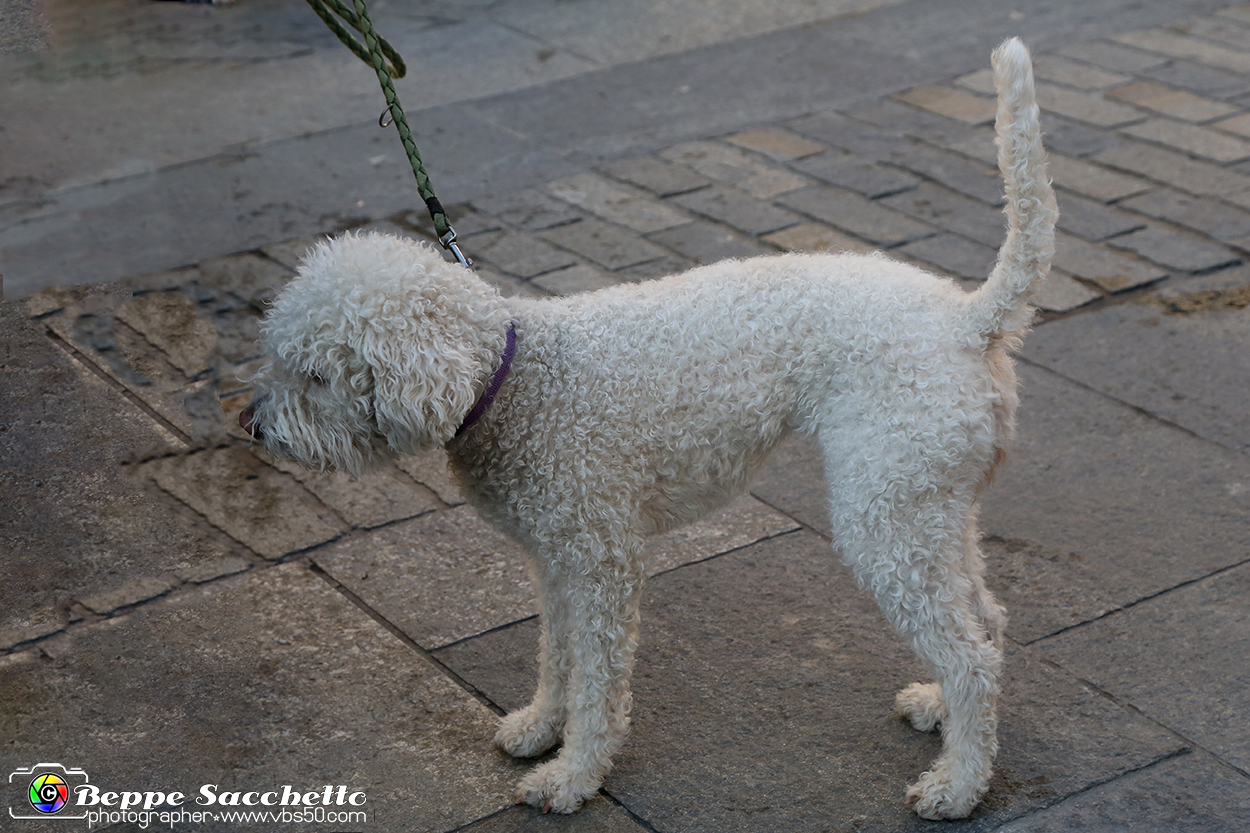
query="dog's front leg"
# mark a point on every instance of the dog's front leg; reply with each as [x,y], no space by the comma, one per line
[601,621]
[531,731]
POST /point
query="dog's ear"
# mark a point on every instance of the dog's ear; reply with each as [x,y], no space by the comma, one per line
[424,376]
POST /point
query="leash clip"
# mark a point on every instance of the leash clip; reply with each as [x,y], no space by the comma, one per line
[448,241]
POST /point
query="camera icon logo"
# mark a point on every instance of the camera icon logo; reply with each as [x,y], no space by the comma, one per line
[47,792]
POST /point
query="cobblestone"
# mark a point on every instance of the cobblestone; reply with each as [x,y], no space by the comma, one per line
[851,171]
[579,278]
[1109,270]
[967,176]
[954,212]
[731,166]
[734,208]
[856,214]
[1174,169]
[1198,141]
[616,203]
[609,246]
[1112,57]
[528,210]
[1200,79]
[1078,74]
[814,237]
[780,145]
[523,255]
[1085,107]
[1093,220]
[954,254]
[953,104]
[705,242]
[1175,103]
[1175,249]
[1203,214]
[658,176]
[1179,46]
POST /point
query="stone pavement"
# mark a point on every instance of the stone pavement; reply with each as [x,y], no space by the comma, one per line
[181,610]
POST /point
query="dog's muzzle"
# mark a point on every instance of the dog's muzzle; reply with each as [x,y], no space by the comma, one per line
[247,421]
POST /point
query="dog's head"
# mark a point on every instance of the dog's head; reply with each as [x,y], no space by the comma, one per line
[377,347]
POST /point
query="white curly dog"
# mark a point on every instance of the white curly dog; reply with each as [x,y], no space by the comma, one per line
[582,425]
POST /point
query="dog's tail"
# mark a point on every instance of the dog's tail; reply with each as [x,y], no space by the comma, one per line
[1002,304]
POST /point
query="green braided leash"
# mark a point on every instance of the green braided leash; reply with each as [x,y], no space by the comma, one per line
[377,53]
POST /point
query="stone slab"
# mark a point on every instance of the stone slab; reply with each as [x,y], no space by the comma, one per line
[380,497]
[1100,505]
[254,682]
[857,214]
[1190,793]
[1141,354]
[267,510]
[609,246]
[707,242]
[1176,249]
[616,203]
[852,171]
[1182,658]
[75,521]
[763,696]
[447,576]
[728,205]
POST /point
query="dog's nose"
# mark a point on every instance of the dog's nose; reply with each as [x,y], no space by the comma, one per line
[247,421]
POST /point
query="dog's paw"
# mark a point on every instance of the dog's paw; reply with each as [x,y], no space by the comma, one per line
[525,734]
[937,796]
[922,705]
[553,787]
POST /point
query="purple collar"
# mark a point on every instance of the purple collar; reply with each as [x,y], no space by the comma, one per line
[496,382]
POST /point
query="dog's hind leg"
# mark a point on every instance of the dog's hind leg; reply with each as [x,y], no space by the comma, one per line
[911,557]
[921,703]
[531,731]
[601,637]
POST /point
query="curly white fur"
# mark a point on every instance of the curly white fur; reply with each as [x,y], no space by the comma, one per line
[641,407]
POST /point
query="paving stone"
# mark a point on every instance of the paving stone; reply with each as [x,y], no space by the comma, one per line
[1061,293]
[200,573]
[1214,290]
[1141,354]
[270,678]
[955,254]
[705,242]
[1237,124]
[1130,507]
[1077,74]
[380,497]
[1204,214]
[1093,220]
[1196,140]
[860,137]
[850,171]
[170,321]
[730,166]
[1175,249]
[594,817]
[1238,13]
[1175,103]
[734,208]
[1113,57]
[1190,793]
[970,177]
[1073,139]
[133,592]
[955,212]
[765,673]
[431,470]
[1085,107]
[661,177]
[530,209]
[1110,270]
[616,203]
[446,576]
[609,246]
[1179,46]
[1181,658]
[891,116]
[508,286]
[815,237]
[1220,30]
[780,145]
[290,253]
[952,103]
[1200,79]
[575,279]
[1174,169]
[982,80]
[251,502]
[523,255]
[856,214]
[255,279]
[659,268]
